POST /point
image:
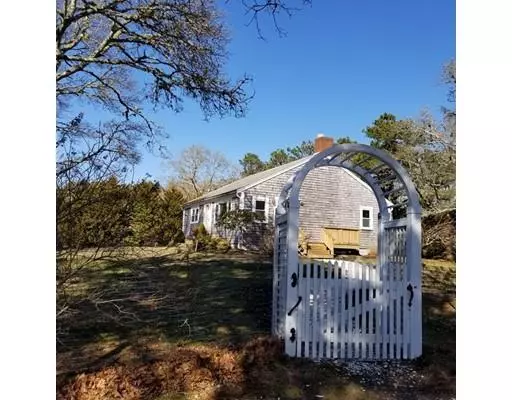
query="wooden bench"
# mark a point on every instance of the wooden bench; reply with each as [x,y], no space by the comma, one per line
[341,238]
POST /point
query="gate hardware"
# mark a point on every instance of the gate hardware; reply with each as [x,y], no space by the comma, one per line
[294,279]
[292,337]
[295,306]
[409,288]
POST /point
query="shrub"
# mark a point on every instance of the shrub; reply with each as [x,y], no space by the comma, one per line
[223,245]
[267,241]
[233,223]
[439,233]
[177,238]
[203,240]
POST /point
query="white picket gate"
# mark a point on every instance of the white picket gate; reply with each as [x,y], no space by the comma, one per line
[334,309]
[349,310]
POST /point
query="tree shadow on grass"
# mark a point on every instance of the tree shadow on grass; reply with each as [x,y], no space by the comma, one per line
[141,303]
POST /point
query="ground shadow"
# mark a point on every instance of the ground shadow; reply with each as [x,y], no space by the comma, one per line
[137,303]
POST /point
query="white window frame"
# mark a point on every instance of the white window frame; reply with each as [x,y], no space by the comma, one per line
[260,198]
[216,209]
[232,204]
[365,208]
[192,219]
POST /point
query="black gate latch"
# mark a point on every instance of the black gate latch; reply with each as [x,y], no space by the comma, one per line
[295,306]
[294,279]
[409,288]
[292,337]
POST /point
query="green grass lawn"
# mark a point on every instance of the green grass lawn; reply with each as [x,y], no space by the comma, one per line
[133,310]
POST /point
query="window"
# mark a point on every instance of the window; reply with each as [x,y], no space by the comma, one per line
[259,206]
[233,204]
[366,218]
[220,210]
[194,216]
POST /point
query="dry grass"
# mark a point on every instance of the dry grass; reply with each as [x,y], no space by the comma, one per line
[157,364]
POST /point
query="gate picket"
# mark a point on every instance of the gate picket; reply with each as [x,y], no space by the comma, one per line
[300,311]
[306,293]
[330,309]
[407,315]
[344,310]
[336,310]
[400,321]
[371,311]
[323,309]
[359,309]
[385,337]
[352,308]
[364,308]
[391,300]
[316,321]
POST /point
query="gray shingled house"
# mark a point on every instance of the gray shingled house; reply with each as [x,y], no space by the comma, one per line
[338,210]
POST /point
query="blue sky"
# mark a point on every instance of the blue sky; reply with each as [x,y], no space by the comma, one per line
[341,65]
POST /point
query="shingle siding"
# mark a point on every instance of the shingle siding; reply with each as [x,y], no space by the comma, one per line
[333,197]
[329,197]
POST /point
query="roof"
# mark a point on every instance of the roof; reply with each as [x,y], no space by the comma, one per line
[251,180]
[255,179]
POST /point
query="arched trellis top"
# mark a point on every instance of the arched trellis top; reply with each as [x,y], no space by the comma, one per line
[398,239]
[341,156]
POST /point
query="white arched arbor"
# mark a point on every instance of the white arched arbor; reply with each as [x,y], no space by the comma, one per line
[392,317]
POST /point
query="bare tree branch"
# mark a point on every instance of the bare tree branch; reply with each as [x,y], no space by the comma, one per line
[272,8]
[179,47]
[198,170]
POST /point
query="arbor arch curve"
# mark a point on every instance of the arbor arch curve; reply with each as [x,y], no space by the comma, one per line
[398,249]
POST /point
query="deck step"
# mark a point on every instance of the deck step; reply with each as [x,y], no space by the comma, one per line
[318,250]
[317,245]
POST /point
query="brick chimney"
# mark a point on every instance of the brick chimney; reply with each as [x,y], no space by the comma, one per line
[322,142]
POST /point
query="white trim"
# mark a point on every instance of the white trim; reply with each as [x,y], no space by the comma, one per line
[365,208]
[241,204]
[276,202]
[192,220]
[208,217]
[260,198]
[204,200]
